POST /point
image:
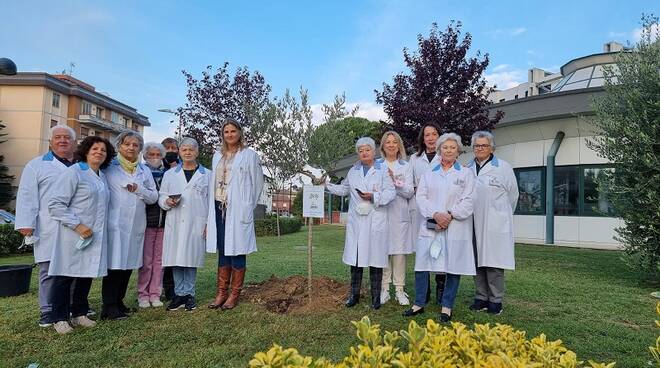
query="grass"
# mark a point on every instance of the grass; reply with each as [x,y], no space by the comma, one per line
[586,298]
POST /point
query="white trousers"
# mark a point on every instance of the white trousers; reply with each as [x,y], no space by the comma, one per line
[395,273]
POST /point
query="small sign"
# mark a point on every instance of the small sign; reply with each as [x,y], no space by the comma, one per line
[313,201]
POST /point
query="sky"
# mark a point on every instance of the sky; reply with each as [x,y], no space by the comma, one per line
[135,50]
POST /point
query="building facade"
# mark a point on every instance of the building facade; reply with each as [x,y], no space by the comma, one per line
[32,103]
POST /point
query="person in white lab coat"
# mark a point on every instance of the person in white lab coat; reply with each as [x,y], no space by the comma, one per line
[370,189]
[425,158]
[444,198]
[495,199]
[238,180]
[184,195]
[37,185]
[131,187]
[79,204]
[399,240]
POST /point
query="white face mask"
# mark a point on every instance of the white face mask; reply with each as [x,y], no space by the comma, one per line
[83,243]
[155,162]
[29,240]
[438,244]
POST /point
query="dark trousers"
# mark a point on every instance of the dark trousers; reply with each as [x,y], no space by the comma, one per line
[375,280]
[114,286]
[68,295]
[237,262]
[168,283]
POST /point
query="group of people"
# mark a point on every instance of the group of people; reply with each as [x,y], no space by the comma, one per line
[457,220]
[97,210]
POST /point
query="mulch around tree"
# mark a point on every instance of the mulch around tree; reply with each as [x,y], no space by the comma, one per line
[289,295]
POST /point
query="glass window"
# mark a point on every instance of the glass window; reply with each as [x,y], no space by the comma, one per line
[53,122]
[566,191]
[531,200]
[595,202]
[56,100]
[86,108]
[84,132]
[581,74]
[114,117]
[576,85]
[99,112]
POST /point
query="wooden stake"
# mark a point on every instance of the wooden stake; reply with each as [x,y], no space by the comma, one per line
[310,222]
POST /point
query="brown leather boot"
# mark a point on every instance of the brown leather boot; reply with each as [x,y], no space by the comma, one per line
[237,277]
[223,287]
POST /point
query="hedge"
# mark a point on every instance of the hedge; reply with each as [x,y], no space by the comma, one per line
[268,226]
[11,240]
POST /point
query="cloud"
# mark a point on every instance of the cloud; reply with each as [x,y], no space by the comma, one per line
[638,32]
[507,32]
[504,76]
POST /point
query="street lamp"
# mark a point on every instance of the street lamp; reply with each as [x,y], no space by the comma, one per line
[170,111]
[7,67]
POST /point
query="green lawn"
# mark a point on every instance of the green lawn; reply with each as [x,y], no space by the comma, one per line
[587,298]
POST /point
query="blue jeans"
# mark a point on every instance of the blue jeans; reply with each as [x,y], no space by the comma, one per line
[236,262]
[448,295]
[184,280]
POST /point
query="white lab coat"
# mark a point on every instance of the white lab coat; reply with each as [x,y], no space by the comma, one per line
[366,235]
[243,192]
[38,183]
[495,199]
[127,217]
[419,164]
[183,240]
[81,197]
[441,191]
[398,211]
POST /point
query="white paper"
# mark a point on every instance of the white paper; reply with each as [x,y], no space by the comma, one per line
[313,201]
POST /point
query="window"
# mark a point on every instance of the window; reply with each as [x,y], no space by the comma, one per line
[135,127]
[84,132]
[531,184]
[86,108]
[56,100]
[99,112]
[127,122]
[526,95]
[53,122]
[114,117]
[594,199]
[566,191]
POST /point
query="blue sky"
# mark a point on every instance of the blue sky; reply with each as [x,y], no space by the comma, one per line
[135,50]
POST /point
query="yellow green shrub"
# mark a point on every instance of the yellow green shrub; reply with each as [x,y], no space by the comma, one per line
[436,346]
[655,350]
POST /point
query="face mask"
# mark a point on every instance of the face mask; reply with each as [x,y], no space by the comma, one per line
[171,157]
[155,162]
[29,240]
[83,243]
[437,244]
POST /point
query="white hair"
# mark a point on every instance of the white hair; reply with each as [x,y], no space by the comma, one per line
[449,136]
[123,135]
[187,141]
[365,141]
[72,133]
[153,145]
[484,134]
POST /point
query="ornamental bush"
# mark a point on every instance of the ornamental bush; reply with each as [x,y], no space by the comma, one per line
[11,240]
[437,346]
[268,226]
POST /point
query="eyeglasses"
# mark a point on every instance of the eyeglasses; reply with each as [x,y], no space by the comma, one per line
[481,146]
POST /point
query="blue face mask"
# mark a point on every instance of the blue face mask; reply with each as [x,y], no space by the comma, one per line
[83,243]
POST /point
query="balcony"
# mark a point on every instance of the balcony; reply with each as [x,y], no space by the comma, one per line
[102,123]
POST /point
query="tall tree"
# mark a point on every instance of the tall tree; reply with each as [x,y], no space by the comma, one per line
[244,96]
[444,86]
[628,134]
[6,191]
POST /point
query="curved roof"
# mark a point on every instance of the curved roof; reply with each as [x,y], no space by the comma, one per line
[585,72]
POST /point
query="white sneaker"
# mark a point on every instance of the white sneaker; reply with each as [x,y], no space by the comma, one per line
[143,304]
[402,298]
[156,303]
[83,321]
[62,327]
[384,296]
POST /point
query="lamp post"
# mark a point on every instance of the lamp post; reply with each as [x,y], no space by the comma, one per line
[170,111]
[7,67]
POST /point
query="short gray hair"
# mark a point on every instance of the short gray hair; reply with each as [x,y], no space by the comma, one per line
[365,141]
[126,134]
[72,133]
[449,136]
[187,141]
[153,145]
[483,134]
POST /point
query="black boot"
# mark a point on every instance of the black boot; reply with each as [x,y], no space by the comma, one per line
[356,285]
[439,286]
[376,278]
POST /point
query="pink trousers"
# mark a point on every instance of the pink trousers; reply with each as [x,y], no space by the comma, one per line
[150,275]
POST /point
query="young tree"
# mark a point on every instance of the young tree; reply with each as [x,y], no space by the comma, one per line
[628,134]
[245,96]
[6,191]
[444,86]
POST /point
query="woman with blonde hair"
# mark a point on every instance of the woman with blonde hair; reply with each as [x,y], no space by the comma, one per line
[398,215]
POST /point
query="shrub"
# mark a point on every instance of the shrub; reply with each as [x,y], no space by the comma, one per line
[436,346]
[11,240]
[655,350]
[268,226]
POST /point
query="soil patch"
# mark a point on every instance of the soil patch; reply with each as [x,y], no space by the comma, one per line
[289,295]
